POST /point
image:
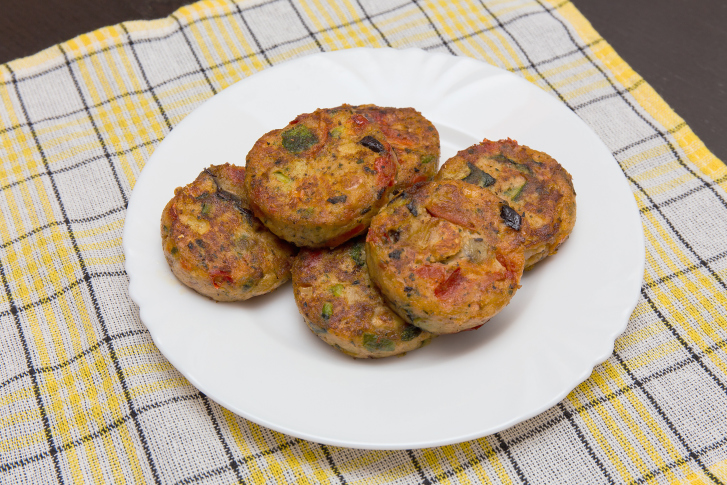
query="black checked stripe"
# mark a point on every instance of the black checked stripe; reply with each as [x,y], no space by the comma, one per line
[617,93]
[47,299]
[656,135]
[653,401]
[682,461]
[371,21]
[687,270]
[445,42]
[702,262]
[505,448]
[472,462]
[242,461]
[223,441]
[418,468]
[694,355]
[332,464]
[650,475]
[91,120]
[49,173]
[502,23]
[686,194]
[60,223]
[690,453]
[115,46]
[252,33]
[305,26]
[672,131]
[623,97]
[592,454]
[629,103]
[52,450]
[84,353]
[202,69]
[6,467]
[150,89]
[94,300]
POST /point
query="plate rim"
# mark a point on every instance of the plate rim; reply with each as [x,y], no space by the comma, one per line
[141,301]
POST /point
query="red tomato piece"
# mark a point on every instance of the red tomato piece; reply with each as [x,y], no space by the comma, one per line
[360,120]
[428,272]
[448,286]
[347,235]
[387,171]
[220,276]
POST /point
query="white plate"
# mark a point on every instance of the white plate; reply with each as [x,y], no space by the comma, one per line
[259,360]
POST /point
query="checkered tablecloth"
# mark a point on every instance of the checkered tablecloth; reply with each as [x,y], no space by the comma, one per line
[85,396]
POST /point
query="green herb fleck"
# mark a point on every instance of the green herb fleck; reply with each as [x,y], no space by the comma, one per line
[336,132]
[357,253]
[337,290]
[327,310]
[281,177]
[206,208]
[298,139]
[174,251]
[427,158]
[410,332]
[374,343]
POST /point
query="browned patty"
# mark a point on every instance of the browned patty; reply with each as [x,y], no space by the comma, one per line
[215,245]
[531,182]
[446,255]
[414,139]
[341,306]
[319,181]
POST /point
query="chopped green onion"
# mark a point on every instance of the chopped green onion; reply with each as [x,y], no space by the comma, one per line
[514,193]
[327,310]
[281,177]
[337,290]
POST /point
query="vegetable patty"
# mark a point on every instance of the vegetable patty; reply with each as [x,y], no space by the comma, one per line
[341,306]
[319,181]
[446,255]
[215,245]
[531,182]
[414,139]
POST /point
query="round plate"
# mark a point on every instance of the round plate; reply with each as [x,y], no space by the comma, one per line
[258,358]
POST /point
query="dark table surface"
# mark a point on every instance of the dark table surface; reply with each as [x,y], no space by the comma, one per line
[678,46]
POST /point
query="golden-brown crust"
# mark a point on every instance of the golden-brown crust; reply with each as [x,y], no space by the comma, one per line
[341,306]
[319,181]
[444,256]
[532,182]
[215,245]
[414,139]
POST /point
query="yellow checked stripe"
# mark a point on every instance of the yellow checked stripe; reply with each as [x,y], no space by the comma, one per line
[86,397]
